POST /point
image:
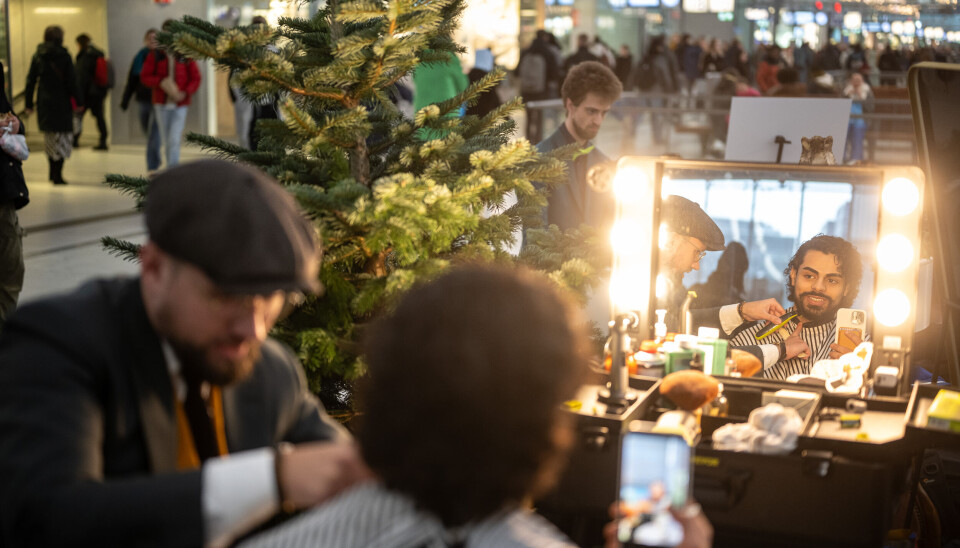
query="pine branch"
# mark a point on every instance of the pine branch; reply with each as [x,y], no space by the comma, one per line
[224,149]
[121,248]
[130,186]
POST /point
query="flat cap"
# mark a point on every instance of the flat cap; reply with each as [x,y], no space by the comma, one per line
[687,218]
[236,224]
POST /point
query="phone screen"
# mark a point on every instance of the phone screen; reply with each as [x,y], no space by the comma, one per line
[654,476]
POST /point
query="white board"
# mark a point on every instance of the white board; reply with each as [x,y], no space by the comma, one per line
[755,123]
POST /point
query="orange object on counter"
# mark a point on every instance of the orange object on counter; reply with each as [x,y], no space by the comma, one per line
[631,364]
[650,346]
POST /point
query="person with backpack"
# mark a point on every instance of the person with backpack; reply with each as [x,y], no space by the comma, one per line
[52,75]
[93,80]
[537,70]
[657,73]
[135,88]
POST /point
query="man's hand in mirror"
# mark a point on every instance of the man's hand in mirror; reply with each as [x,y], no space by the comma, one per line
[837,350]
[767,309]
[796,347]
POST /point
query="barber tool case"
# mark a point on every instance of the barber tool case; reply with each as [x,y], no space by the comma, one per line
[813,498]
[835,489]
[919,433]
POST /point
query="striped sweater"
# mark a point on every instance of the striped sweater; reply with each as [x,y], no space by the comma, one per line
[370,516]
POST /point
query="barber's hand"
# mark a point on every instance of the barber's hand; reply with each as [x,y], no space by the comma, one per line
[314,472]
[27,112]
[697,531]
[767,309]
[837,350]
[795,345]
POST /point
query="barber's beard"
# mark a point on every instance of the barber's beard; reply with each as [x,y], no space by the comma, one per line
[820,314]
[198,363]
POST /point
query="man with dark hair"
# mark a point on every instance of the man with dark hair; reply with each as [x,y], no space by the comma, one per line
[582,54]
[588,93]
[119,401]
[822,277]
[88,56]
[461,418]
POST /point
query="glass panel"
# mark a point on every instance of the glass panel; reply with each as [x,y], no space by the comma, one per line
[772,212]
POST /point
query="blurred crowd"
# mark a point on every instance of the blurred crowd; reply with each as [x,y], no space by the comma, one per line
[704,73]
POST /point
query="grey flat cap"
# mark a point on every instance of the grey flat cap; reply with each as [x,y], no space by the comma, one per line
[687,218]
[236,224]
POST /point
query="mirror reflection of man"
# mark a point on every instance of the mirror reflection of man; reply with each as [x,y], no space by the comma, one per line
[822,277]
[688,233]
[588,93]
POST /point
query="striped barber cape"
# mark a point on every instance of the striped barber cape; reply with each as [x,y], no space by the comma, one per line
[371,516]
[818,339]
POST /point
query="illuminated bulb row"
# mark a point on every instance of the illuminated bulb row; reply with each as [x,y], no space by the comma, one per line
[630,239]
[895,252]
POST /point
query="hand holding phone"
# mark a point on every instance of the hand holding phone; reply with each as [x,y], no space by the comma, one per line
[654,482]
[851,326]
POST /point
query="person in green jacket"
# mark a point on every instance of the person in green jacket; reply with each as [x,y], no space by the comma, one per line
[435,83]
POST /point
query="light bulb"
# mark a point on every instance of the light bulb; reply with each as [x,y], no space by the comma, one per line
[625,238]
[894,252]
[663,286]
[630,184]
[891,307]
[625,291]
[900,196]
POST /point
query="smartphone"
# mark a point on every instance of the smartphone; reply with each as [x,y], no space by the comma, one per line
[654,476]
[851,325]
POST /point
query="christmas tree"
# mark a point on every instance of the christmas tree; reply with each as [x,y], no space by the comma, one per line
[395,200]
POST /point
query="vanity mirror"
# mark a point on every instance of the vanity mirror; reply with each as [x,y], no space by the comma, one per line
[765,212]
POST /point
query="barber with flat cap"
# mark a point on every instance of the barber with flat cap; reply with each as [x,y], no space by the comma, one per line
[146,411]
[690,233]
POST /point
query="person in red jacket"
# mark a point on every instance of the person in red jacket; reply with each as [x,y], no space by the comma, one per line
[768,68]
[174,79]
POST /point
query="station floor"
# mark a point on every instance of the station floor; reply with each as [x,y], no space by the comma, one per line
[64,224]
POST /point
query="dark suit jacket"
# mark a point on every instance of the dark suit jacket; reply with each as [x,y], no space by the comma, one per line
[88,434]
[573,204]
[13,187]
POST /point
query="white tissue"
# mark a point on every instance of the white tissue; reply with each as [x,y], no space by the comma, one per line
[833,371]
[771,429]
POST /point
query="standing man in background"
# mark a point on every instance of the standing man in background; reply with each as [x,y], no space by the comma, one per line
[94,92]
[588,94]
[136,88]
